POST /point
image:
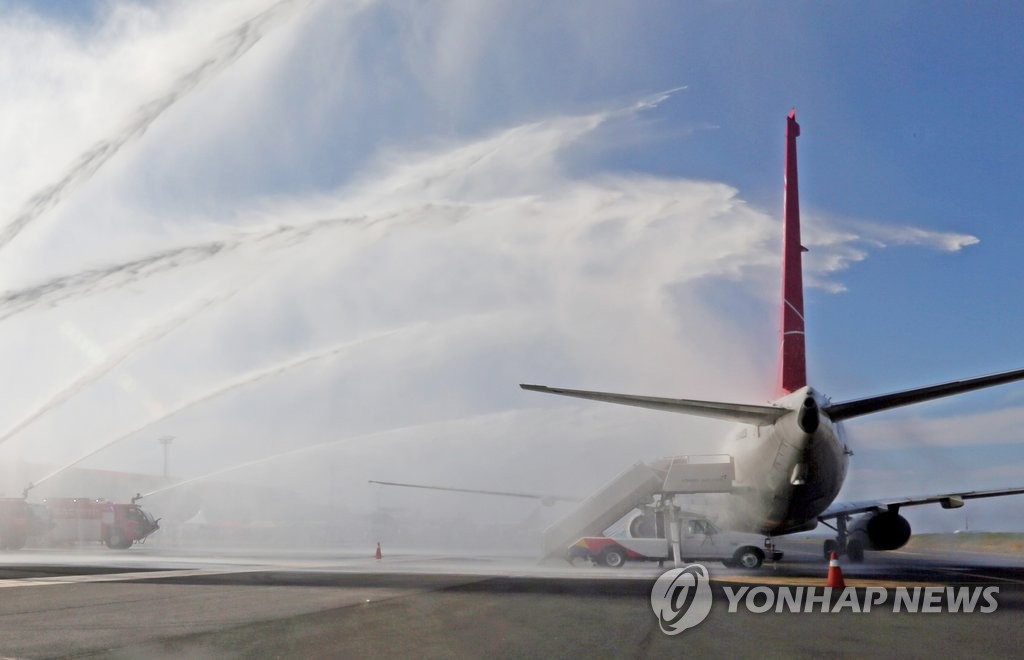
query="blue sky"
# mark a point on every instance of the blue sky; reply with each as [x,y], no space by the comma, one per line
[520,203]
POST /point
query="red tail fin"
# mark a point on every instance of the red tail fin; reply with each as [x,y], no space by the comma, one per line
[793,364]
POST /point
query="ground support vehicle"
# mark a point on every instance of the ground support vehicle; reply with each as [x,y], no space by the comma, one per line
[73,520]
[698,540]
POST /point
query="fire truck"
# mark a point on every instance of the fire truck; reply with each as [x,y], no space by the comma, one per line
[70,520]
[18,521]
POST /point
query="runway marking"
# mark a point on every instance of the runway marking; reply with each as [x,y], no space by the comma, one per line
[30,582]
[117,577]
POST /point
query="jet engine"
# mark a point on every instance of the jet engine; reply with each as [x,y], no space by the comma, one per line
[880,531]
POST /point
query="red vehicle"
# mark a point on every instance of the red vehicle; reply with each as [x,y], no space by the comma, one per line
[66,520]
[18,521]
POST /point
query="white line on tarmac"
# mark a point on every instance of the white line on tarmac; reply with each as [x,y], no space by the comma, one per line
[117,577]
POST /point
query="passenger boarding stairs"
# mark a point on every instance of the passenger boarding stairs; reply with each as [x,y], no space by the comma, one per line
[635,487]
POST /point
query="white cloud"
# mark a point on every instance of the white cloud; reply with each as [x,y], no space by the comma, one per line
[961,430]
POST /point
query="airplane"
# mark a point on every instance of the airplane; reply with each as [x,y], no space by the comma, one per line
[792,455]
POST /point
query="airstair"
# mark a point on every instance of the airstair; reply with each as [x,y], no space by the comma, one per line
[595,514]
[637,486]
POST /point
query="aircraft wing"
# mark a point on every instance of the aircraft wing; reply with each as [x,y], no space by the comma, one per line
[837,412]
[736,412]
[947,500]
[546,499]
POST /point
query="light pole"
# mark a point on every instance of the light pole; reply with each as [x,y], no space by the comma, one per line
[166,442]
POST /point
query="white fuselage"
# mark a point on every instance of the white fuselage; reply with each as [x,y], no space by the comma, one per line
[785,476]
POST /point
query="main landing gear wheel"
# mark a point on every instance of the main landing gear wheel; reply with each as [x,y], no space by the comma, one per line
[613,558]
[855,550]
[830,547]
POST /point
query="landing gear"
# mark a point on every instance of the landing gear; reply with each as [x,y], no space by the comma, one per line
[842,544]
[855,550]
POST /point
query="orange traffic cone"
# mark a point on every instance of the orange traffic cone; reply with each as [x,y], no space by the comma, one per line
[378,555]
[835,574]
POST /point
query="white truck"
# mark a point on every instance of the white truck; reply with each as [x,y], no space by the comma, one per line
[699,540]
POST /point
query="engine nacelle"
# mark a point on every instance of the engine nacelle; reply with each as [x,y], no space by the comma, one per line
[881,531]
[793,529]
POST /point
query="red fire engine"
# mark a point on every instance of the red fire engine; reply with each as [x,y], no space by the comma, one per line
[17,522]
[66,520]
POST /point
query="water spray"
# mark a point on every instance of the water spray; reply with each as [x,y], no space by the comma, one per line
[229,49]
[321,445]
[233,384]
[114,276]
[109,362]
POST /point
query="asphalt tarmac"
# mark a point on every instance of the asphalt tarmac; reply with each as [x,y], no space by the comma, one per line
[158,603]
